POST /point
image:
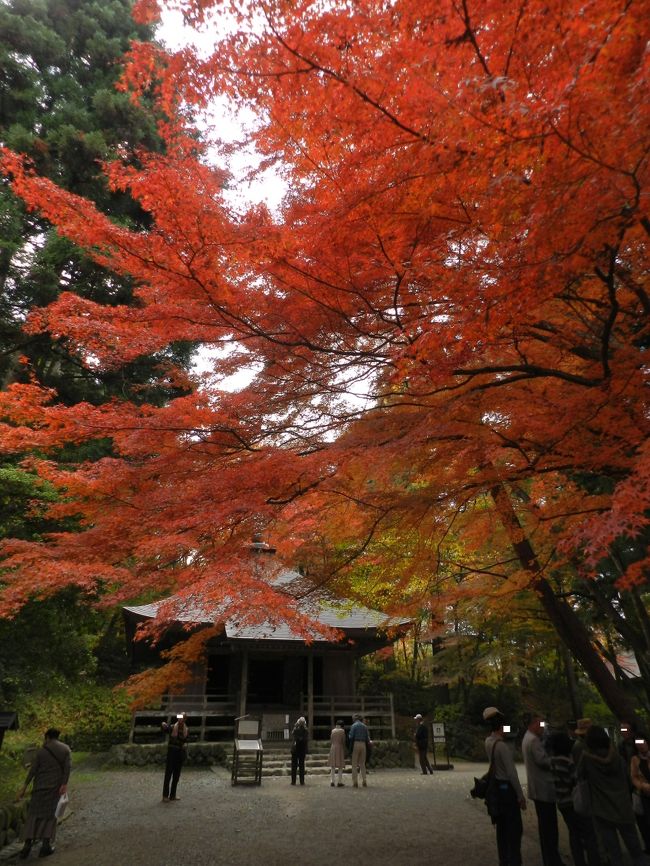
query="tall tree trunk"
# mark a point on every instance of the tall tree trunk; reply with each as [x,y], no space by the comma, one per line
[562,617]
[571,681]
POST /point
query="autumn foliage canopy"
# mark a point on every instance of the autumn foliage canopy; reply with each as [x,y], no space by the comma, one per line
[450,307]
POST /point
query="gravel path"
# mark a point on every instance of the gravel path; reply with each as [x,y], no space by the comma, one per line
[402,817]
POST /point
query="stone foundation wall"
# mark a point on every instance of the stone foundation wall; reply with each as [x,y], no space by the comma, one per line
[139,755]
[12,819]
[385,753]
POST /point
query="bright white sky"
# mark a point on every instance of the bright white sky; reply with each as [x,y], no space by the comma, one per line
[227,121]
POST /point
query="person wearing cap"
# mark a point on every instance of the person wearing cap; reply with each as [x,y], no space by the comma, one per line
[337,752]
[541,790]
[578,746]
[582,836]
[359,738]
[508,823]
[421,737]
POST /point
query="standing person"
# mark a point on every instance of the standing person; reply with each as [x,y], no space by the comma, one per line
[604,769]
[50,771]
[369,744]
[359,738]
[337,752]
[176,752]
[510,796]
[421,737]
[300,736]
[640,778]
[579,743]
[626,747]
[541,790]
[582,836]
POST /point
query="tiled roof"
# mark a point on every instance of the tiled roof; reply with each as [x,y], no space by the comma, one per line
[323,609]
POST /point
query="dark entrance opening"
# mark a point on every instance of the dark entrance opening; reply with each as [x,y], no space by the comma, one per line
[218,677]
[318,675]
[266,681]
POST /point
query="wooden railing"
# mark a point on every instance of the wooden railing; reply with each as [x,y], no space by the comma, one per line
[376,709]
[211,718]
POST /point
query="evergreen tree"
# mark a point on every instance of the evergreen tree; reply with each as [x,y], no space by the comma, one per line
[59,63]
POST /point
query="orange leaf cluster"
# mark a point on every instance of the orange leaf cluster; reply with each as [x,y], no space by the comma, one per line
[453,296]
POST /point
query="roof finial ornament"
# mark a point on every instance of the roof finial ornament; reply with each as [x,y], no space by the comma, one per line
[258,545]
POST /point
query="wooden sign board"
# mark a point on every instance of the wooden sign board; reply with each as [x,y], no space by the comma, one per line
[438,732]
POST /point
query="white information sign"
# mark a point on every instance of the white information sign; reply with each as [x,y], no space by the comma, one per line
[438,732]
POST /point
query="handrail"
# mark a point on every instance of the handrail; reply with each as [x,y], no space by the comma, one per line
[208,714]
[216,702]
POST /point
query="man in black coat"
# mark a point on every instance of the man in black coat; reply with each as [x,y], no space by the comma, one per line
[422,744]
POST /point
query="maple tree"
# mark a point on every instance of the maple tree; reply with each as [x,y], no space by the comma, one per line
[446,320]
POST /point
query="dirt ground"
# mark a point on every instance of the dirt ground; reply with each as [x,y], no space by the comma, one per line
[402,817]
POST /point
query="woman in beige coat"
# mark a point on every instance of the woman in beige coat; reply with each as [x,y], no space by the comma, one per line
[337,752]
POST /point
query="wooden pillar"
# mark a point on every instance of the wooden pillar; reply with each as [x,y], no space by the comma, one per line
[310,692]
[243,687]
[392,716]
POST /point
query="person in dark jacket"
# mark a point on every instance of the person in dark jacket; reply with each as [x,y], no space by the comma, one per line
[50,771]
[640,779]
[582,836]
[421,737]
[176,752]
[626,747]
[359,743]
[300,736]
[606,773]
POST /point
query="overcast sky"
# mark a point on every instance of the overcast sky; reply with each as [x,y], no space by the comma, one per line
[228,121]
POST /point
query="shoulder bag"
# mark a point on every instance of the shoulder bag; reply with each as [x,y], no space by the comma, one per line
[637,803]
[486,788]
[581,797]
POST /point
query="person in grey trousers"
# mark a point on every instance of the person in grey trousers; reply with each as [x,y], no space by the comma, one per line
[541,790]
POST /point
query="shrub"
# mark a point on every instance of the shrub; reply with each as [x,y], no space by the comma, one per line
[91,718]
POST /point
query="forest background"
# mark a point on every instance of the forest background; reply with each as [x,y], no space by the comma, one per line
[443,329]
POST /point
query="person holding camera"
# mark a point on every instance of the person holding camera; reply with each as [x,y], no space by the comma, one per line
[176,753]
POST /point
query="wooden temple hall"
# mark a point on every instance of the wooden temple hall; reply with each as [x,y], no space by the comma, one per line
[268,672]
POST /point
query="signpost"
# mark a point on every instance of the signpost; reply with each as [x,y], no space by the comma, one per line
[440,738]
[8,722]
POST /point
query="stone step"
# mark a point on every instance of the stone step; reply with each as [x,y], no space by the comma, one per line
[285,766]
[277,762]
